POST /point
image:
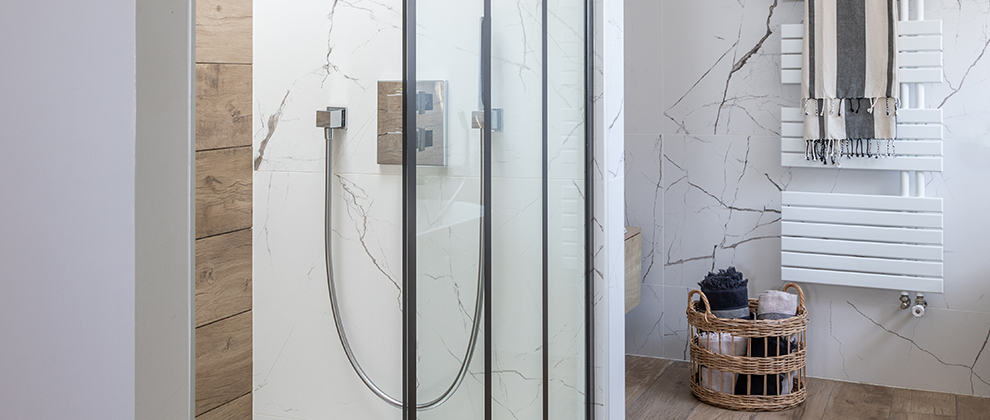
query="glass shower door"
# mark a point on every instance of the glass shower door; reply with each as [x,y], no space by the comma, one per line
[501,292]
[449,201]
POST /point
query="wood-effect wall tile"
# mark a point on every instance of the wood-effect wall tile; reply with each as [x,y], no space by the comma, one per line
[223,276]
[223,361]
[239,409]
[223,31]
[223,191]
[223,106]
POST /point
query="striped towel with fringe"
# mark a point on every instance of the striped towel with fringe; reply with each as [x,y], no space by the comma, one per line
[849,79]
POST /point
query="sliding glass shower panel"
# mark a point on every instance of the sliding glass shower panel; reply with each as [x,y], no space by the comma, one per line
[529,62]
[517,210]
[449,240]
[566,169]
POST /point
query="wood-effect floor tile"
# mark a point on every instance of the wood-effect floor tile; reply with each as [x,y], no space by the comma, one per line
[813,406]
[858,401]
[669,397]
[641,372]
[972,408]
[923,402]
[707,412]
[919,416]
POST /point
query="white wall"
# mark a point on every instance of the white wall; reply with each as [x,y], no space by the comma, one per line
[68,212]
[164,211]
[609,193]
[703,177]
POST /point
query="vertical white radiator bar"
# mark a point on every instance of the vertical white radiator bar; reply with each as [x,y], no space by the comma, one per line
[919,184]
[919,97]
[905,184]
[905,103]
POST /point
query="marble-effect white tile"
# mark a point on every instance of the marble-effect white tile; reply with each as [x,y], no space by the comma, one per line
[721,178]
[313,54]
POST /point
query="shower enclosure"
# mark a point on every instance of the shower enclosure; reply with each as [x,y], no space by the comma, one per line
[458,210]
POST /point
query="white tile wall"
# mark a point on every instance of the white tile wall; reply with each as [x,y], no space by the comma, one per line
[711,141]
[312,54]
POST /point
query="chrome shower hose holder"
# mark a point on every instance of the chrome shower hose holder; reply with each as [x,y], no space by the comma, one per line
[332,118]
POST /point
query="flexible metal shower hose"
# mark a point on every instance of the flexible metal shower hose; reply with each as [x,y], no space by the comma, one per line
[461,374]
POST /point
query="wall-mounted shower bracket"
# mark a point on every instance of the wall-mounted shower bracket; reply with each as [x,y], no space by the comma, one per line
[332,118]
[478,119]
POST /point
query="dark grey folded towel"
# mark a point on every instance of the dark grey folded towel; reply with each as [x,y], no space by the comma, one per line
[727,292]
[779,384]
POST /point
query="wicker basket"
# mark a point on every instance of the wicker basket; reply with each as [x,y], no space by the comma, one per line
[701,320]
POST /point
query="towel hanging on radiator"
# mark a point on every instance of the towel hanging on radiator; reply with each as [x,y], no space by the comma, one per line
[849,78]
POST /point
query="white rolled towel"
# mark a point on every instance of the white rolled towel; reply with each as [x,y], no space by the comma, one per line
[776,304]
[721,343]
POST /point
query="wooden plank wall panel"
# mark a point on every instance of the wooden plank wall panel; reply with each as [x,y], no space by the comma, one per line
[223,276]
[223,362]
[239,409]
[223,209]
[223,191]
[223,31]
[223,106]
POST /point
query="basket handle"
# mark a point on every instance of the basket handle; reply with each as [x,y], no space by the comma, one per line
[708,307]
[799,292]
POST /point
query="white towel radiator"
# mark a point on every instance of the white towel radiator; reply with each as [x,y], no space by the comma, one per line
[885,242]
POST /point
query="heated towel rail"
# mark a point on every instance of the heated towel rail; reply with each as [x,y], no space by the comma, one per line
[876,241]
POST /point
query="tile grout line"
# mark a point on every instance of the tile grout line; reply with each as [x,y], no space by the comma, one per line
[692,409]
[230,63]
[225,233]
[226,403]
[890,411]
[226,318]
[214,149]
[827,400]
